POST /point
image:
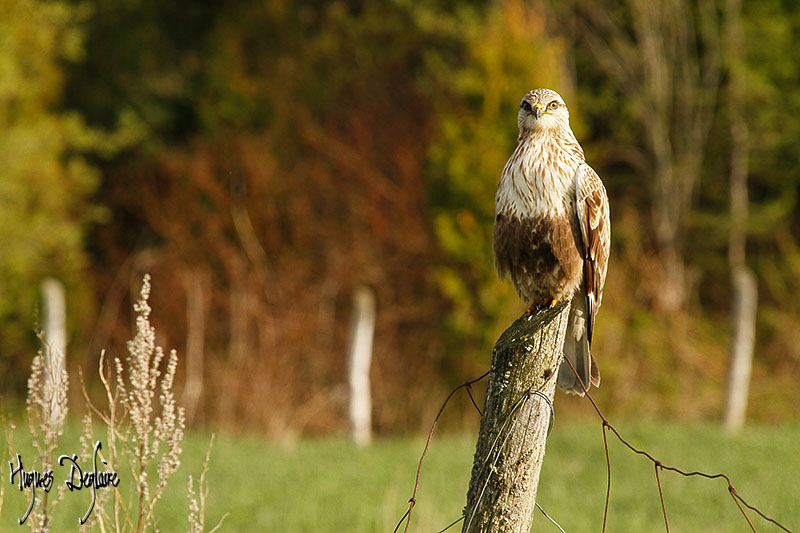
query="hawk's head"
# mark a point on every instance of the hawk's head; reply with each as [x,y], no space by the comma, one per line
[542,109]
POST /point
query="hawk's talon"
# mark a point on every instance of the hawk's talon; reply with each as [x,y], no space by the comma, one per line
[541,306]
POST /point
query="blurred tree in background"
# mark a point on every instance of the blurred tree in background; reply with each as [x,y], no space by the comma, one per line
[44,183]
[263,159]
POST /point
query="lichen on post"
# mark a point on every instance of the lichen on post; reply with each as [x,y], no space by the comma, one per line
[514,427]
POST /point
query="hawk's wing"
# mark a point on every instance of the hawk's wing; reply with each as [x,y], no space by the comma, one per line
[595,224]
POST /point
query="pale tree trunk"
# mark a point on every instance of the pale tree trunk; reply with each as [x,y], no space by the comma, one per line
[516,418]
[359,361]
[744,290]
[196,284]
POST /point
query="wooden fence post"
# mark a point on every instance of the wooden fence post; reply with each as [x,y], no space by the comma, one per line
[516,418]
[55,354]
[55,316]
[358,363]
[743,338]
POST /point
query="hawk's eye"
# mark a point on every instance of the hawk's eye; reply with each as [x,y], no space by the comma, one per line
[553,105]
[526,106]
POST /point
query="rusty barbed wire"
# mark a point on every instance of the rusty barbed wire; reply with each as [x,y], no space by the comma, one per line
[661,496]
[451,524]
[737,499]
[740,502]
[413,501]
[460,518]
[550,518]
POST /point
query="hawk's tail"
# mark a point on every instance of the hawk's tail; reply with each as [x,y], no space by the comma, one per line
[576,349]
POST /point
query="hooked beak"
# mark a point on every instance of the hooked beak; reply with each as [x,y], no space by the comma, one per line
[537,110]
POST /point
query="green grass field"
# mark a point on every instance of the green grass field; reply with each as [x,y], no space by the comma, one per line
[329,485]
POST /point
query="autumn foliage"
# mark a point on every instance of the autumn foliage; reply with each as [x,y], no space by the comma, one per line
[262,160]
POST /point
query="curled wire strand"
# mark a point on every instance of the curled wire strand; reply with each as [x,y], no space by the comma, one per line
[740,502]
[550,518]
[413,500]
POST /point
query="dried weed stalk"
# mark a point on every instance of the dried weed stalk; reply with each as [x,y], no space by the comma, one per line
[47,410]
[144,429]
[145,426]
[197,509]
